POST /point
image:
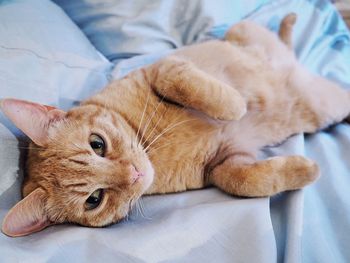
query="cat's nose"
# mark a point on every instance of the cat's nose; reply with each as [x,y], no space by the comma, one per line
[135,174]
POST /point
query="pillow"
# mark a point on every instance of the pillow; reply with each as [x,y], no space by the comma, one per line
[122,29]
[44,57]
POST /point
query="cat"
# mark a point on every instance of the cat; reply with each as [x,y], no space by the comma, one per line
[193,119]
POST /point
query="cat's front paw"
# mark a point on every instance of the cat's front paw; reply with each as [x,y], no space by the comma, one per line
[232,107]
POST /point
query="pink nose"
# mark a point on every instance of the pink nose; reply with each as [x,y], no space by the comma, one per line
[135,174]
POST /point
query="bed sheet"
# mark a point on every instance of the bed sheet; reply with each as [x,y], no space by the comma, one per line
[310,225]
[122,29]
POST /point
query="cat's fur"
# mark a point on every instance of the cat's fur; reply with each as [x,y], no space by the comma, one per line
[194,119]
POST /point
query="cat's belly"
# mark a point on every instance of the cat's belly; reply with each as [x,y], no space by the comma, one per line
[181,157]
[182,160]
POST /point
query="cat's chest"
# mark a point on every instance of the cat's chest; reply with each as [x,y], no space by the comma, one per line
[179,150]
[178,168]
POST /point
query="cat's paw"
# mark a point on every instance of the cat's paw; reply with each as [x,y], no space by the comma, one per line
[300,172]
[232,107]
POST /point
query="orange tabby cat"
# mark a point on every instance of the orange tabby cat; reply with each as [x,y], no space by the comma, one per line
[194,119]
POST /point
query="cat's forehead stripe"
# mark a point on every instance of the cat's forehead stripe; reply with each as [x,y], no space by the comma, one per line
[77,153]
[76,185]
[78,161]
[81,111]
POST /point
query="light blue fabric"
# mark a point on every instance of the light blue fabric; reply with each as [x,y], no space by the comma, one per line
[122,29]
[45,58]
[43,52]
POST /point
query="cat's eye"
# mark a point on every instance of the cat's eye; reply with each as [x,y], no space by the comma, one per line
[94,199]
[97,144]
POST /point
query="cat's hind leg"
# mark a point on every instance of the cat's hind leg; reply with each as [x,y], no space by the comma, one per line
[263,178]
[321,101]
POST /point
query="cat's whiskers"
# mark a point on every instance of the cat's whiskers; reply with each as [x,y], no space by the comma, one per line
[135,205]
[150,119]
[156,125]
[143,114]
[167,130]
[153,150]
[161,117]
[129,210]
[140,210]
[142,206]
[137,208]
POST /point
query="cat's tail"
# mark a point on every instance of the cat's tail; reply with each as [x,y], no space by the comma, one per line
[286,29]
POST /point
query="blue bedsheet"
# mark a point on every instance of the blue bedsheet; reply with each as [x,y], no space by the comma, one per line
[310,225]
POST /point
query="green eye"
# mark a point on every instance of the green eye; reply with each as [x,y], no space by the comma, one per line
[97,144]
[94,199]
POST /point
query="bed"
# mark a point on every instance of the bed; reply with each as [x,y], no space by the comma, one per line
[60,52]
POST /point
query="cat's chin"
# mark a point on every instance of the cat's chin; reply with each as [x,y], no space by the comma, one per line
[147,179]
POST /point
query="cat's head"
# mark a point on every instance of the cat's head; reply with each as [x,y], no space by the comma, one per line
[84,167]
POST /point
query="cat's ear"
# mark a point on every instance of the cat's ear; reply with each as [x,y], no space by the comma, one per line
[27,216]
[32,118]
